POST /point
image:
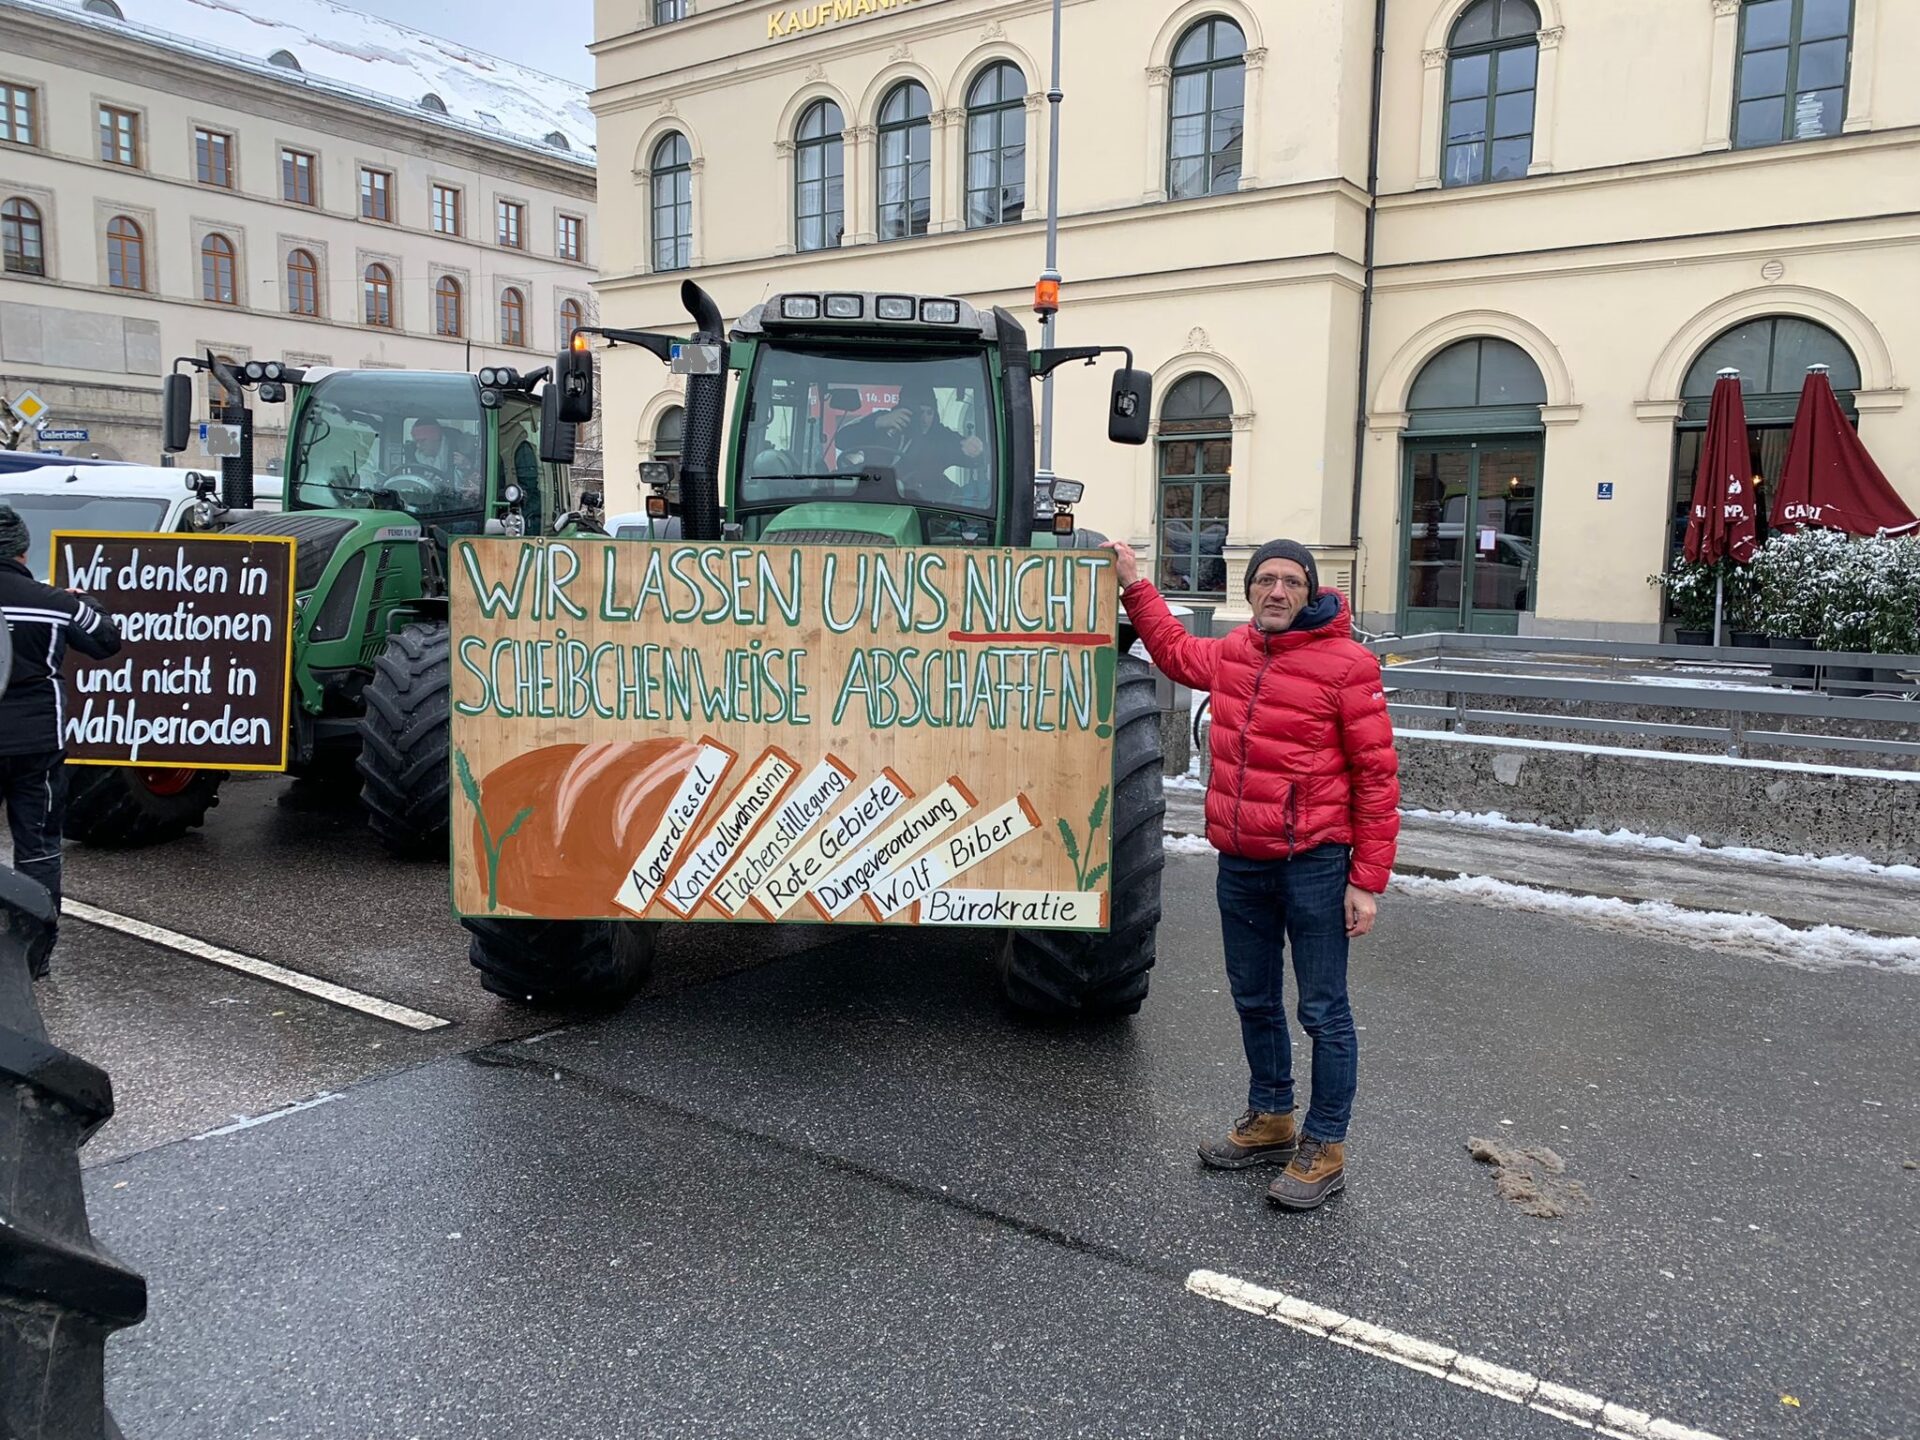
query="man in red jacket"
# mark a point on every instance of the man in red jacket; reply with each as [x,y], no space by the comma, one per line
[1303,806]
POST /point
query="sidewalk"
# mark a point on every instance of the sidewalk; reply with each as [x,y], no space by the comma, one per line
[1796,894]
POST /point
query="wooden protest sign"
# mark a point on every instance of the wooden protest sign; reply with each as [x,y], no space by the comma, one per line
[725,731]
[206,657]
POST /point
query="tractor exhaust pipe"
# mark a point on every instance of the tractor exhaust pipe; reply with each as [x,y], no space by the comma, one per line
[705,424]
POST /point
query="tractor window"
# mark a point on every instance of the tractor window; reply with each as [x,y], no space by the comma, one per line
[913,429]
[520,463]
[395,441]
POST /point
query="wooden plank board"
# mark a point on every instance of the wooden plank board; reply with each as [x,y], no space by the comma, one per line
[756,733]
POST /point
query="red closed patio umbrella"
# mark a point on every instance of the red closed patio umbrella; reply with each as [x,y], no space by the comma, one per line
[1830,480]
[1721,522]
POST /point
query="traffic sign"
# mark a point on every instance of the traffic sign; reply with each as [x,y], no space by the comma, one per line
[71,434]
[29,406]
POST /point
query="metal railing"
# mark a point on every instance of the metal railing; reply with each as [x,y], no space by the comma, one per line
[1758,690]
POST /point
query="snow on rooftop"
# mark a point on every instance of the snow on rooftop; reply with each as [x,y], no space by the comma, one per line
[330,42]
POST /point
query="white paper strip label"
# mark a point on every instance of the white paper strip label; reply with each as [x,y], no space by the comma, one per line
[958,852]
[655,861]
[809,803]
[745,810]
[838,838]
[1028,909]
[918,827]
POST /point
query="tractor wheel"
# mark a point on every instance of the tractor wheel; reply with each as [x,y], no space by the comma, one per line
[404,740]
[1075,974]
[562,964]
[118,807]
[61,1292]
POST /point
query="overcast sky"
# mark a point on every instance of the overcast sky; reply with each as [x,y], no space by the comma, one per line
[550,36]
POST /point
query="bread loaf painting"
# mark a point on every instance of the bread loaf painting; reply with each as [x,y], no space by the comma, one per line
[562,824]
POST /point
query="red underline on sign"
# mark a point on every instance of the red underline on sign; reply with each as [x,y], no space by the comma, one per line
[976,637]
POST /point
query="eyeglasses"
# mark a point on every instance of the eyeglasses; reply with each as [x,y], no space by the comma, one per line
[1267,582]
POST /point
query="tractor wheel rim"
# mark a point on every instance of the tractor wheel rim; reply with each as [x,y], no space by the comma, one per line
[166,782]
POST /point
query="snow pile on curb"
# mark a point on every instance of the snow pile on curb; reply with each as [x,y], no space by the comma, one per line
[1823,947]
[1692,845]
[1188,845]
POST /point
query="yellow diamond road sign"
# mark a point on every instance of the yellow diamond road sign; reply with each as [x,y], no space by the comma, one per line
[29,406]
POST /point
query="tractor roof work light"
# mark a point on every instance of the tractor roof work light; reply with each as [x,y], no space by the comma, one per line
[940,312]
[799,307]
[843,307]
[894,307]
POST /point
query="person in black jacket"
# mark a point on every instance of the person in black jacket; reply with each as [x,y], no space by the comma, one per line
[41,622]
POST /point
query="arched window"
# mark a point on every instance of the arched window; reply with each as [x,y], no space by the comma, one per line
[303,283]
[446,306]
[23,239]
[1772,355]
[378,288]
[572,316]
[672,167]
[126,255]
[996,146]
[1196,470]
[819,178]
[666,433]
[216,271]
[513,317]
[1792,76]
[906,147]
[1493,61]
[1208,99]
[1473,469]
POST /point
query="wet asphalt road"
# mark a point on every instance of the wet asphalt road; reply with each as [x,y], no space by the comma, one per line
[831,1188]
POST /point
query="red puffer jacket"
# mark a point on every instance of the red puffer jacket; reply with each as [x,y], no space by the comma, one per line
[1302,746]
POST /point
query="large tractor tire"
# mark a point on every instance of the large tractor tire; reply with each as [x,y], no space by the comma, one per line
[404,738]
[1068,973]
[562,964]
[61,1294]
[119,807]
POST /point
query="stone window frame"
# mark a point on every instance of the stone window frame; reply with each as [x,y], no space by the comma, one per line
[1433,97]
[36,91]
[1159,78]
[462,277]
[281,149]
[583,298]
[104,210]
[643,178]
[43,199]
[461,219]
[1724,16]
[501,285]
[142,135]
[214,127]
[236,236]
[579,257]
[525,207]
[204,381]
[284,246]
[397,270]
[360,170]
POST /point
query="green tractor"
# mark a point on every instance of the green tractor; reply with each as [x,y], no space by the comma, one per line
[382,467]
[875,419]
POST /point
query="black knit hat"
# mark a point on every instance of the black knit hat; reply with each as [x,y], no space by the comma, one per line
[13,533]
[1285,550]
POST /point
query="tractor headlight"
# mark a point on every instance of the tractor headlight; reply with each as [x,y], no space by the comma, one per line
[489,399]
[940,312]
[799,307]
[843,307]
[253,370]
[1068,492]
[894,307]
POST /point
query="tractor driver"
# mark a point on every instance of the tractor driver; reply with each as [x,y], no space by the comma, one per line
[923,448]
[434,449]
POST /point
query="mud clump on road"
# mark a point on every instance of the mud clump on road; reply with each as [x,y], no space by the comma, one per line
[1531,1179]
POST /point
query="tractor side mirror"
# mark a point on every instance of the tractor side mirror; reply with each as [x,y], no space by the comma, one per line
[573,378]
[1130,413]
[557,436]
[176,412]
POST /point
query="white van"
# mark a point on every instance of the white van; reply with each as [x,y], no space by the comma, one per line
[110,497]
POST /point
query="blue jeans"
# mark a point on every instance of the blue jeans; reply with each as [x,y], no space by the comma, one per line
[1264,904]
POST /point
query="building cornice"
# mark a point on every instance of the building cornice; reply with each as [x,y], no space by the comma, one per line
[130,58]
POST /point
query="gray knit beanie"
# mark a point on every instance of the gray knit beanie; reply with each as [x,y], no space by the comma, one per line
[13,533]
[1285,550]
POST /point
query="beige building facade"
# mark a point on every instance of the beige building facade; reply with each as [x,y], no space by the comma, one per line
[1472,386]
[164,196]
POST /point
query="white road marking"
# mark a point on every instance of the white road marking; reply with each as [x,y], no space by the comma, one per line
[252,1120]
[259,969]
[1589,1412]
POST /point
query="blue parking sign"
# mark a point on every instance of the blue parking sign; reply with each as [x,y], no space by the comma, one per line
[1606,490]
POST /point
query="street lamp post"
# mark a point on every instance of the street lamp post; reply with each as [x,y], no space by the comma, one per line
[1049,323]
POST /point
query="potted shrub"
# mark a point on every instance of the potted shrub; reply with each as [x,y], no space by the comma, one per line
[1743,608]
[1896,628]
[1857,601]
[1689,590]
[1790,577]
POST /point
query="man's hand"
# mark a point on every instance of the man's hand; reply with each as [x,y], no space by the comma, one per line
[894,421]
[1362,907]
[1126,565]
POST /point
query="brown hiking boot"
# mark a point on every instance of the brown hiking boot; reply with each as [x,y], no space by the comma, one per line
[1258,1137]
[1315,1173]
